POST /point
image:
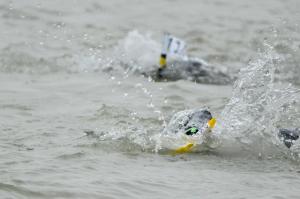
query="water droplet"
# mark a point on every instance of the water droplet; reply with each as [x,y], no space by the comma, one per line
[150,105]
[138,85]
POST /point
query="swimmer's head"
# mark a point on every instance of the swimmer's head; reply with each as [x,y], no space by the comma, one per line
[197,122]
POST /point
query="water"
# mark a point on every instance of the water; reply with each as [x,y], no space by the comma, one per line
[77,121]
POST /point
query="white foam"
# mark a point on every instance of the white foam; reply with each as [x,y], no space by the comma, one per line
[259,107]
[138,52]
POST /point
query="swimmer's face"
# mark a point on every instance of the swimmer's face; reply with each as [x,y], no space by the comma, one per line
[197,122]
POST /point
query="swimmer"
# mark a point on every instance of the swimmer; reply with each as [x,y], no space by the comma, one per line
[189,122]
[175,65]
[195,70]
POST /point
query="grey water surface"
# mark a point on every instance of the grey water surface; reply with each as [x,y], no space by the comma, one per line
[77,121]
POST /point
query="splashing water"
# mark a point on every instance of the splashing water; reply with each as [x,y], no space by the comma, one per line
[138,52]
[259,107]
[249,123]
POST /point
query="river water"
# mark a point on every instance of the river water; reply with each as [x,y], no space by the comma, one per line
[78,121]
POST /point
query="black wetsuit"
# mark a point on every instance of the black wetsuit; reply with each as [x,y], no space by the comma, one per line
[289,136]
